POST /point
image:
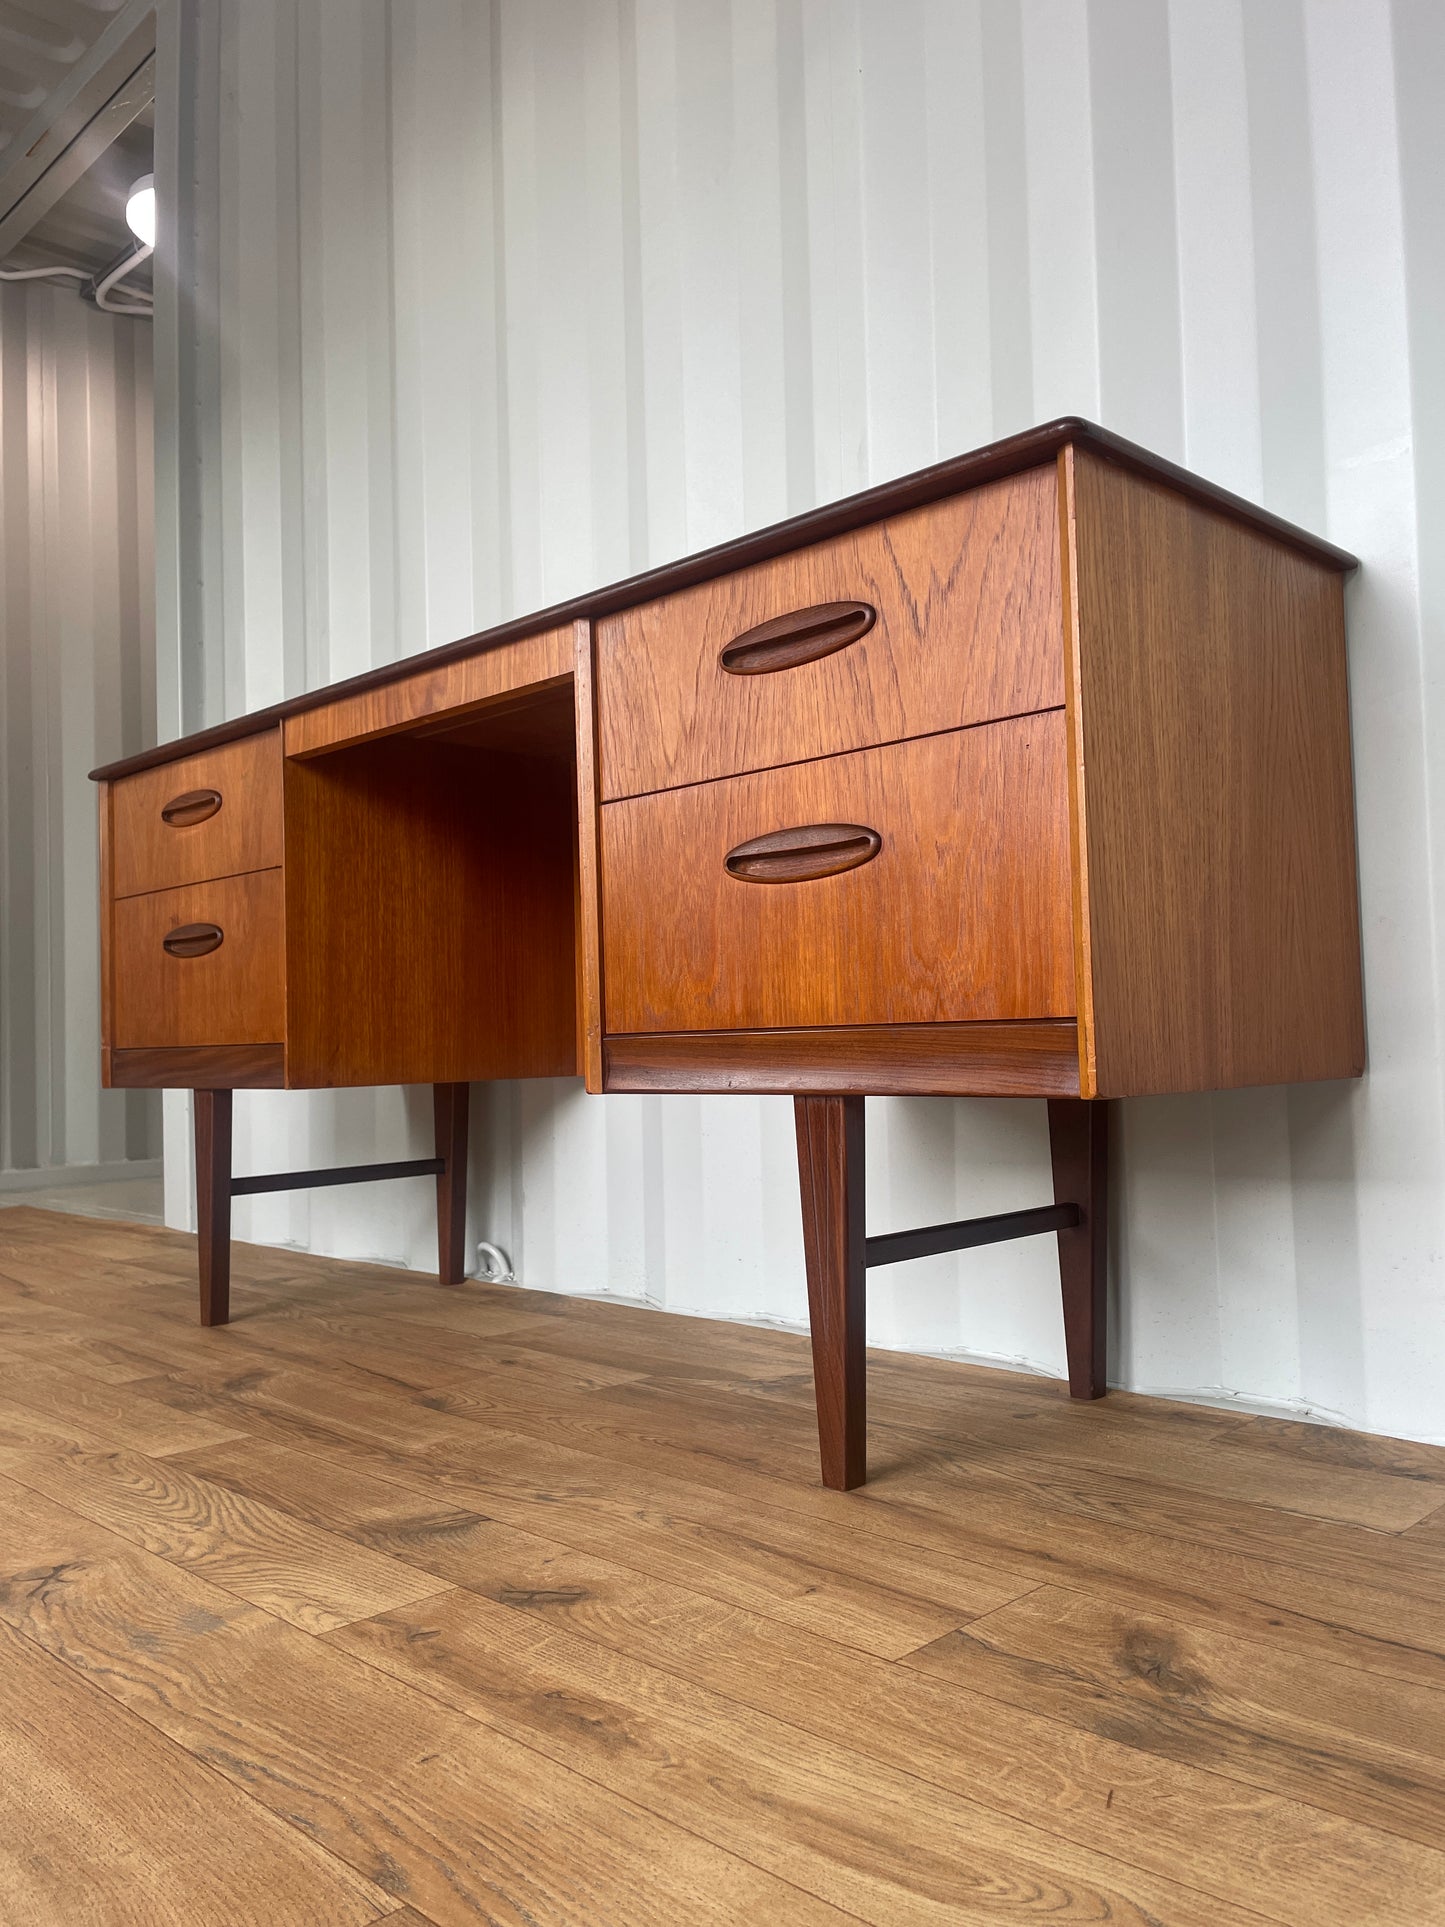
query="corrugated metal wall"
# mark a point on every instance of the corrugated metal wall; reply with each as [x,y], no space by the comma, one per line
[480,304]
[77,685]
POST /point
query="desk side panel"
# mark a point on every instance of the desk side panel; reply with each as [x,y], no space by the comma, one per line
[107,941]
[589,901]
[1218,827]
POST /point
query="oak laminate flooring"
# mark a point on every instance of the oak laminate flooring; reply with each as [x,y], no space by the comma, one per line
[424,1358]
[1210,1452]
[434,1808]
[877,1842]
[642,1669]
[757,1455]
[1428,1536]
[1332,1445]
[1109,1470]
[959,1397]
[315,1579]
[71,1350]
[521,1571]
[100,1820]
[114,1412]
[1027,1770]
[1030,1529]
[806,1579]
[1367,1748]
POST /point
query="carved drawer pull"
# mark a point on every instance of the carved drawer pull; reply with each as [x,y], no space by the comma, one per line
[797,856]
[193,939]
[804,636]
[194,807]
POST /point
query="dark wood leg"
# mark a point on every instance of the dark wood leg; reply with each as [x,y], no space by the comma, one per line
[830,1175]
[213,1203]
[451,1103]
[1079,1144]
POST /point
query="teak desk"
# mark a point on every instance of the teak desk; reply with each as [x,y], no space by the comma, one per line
[1025,776]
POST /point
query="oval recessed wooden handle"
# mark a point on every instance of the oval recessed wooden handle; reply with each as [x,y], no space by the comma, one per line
[194,807]
[797,856]
[193,939]
[804,636]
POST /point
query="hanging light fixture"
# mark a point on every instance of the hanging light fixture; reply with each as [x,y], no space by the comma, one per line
[140,210]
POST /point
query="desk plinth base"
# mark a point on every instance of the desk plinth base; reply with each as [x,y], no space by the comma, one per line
[839,1254]
[216,1186]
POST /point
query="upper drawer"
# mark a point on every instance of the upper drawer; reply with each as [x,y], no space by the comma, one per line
[967,627]
[927,882]
[211,815]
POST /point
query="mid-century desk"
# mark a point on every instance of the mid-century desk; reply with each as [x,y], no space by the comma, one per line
[1025,776]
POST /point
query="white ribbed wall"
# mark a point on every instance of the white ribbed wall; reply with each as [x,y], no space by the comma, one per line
[77,687]
[477,305]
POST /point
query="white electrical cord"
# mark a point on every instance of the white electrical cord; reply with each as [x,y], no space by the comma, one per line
[122,268]
[43,274]
[137,305]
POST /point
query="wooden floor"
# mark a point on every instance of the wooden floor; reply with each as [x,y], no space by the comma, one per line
[394,1602]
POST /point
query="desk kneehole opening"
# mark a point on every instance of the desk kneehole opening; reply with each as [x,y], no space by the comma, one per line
[804,853]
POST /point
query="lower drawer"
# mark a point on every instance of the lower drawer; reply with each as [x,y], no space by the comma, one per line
[175,984]
[924,882]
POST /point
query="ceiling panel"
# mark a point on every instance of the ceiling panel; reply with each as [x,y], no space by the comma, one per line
[41,41]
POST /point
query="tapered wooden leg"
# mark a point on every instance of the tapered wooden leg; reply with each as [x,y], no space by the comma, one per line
[213,1203]
[830,1175]
[451,1103]
[1079,1144]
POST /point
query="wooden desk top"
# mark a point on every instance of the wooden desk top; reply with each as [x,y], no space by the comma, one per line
[991,463]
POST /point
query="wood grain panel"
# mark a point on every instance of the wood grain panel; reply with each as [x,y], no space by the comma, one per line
[431,905]
[1219,837]
[968,629]
[432,690]
[217,1067]
[961,1060]
[234,995]
[963,915]
[243,834]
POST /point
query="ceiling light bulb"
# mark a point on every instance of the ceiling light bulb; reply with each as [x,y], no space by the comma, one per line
[140,210]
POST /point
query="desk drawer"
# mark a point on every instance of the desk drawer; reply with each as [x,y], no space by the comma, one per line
[934,888]
[964,624]
[175,984]
[212,815]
